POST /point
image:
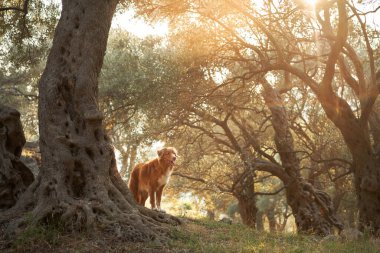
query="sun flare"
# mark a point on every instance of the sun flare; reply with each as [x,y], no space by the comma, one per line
[138,26]
[311,3]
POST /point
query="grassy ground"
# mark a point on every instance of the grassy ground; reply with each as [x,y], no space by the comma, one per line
[193,236]
[206,236]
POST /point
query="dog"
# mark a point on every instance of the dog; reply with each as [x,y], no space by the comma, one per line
[150,178]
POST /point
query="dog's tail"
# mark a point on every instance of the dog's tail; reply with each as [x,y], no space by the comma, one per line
[133,184]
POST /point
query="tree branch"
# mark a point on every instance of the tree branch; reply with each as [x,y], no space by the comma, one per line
[271,193]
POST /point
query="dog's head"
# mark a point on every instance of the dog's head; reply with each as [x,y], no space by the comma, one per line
[168,155]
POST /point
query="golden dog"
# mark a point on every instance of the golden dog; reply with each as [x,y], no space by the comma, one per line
[150,178]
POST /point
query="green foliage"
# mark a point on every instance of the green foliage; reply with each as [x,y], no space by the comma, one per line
[25,38]
[187,206]
[135,84]
[25,41]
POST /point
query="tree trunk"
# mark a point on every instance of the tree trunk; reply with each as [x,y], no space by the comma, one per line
[132,159]
[125,161]
[339,194]
[272,220]
[15,177]
[245,194]
[78,184]
[247,210]
[367,185]
[312,208]
[283,220]
[366,160]
[260,221]
[351,215]
[128,160]
[211,214]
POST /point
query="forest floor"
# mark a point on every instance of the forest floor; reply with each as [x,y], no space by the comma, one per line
[193,236]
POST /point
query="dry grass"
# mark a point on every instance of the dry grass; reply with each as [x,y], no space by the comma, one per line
[192,236]
[210,236]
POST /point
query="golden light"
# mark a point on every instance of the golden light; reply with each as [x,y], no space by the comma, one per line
[138,26]
[311,3]
[307,4]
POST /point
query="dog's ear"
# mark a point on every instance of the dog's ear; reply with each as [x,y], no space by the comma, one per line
[160,152]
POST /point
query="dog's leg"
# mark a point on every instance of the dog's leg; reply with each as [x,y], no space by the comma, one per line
[152,197]
[144,196]
[138,197]
[159,194]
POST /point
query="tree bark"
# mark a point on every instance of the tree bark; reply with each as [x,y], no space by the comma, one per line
[78,184]
[15,177]
[366,160]
[245,194]
[247,211]
[312,208]
[367,185]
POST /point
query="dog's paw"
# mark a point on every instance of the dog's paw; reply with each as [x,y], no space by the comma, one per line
[155,209]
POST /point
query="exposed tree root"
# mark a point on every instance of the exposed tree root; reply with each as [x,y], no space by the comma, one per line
[313,210]
[112,212]
[79,201]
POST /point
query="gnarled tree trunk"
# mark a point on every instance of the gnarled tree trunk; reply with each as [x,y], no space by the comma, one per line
[15,177]
[245,194]
[366,158]
[366,166]
[312,208]
[247,210]
[78,184]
